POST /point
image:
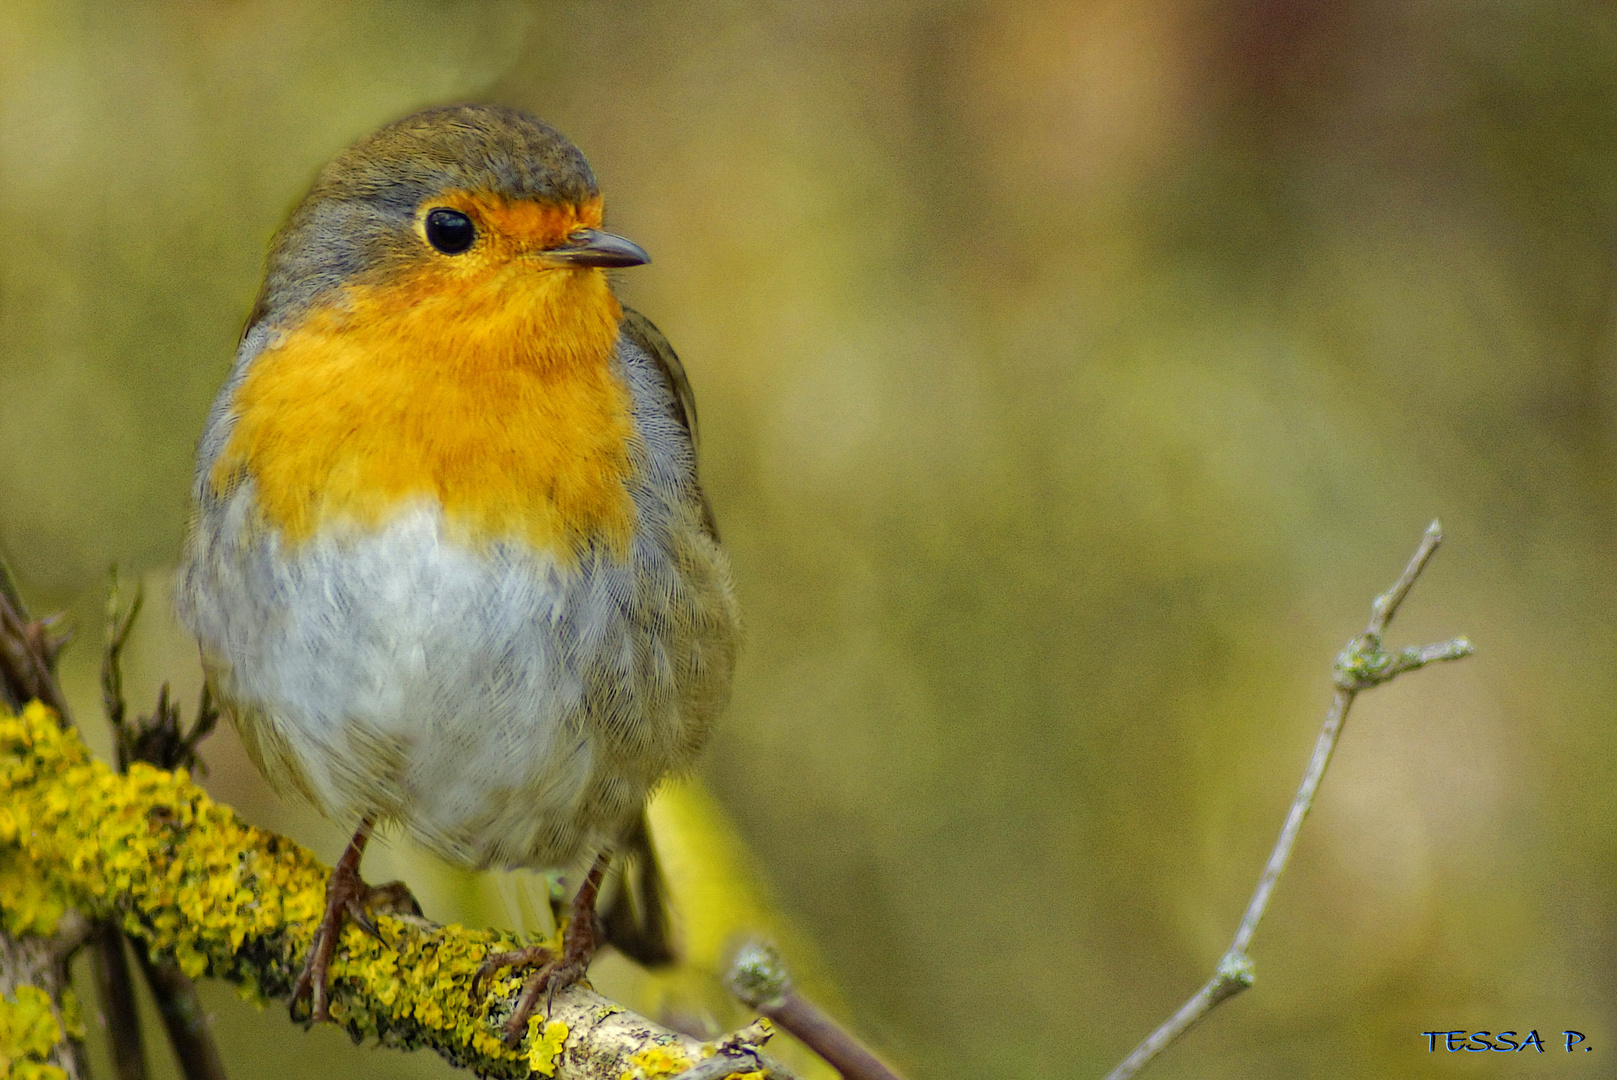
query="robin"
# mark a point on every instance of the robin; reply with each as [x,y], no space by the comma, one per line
[449,564]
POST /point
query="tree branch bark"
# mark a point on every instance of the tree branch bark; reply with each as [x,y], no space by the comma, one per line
[41,1030]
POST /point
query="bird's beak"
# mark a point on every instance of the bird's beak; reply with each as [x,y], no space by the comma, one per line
[592,247]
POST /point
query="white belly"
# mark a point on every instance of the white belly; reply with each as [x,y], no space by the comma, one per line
[503,709]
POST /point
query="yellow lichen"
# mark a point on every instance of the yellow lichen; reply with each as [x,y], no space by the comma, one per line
[656,1061]
[72,1015]
[198,884]
[544,1047]
[29,1032]
[28,905]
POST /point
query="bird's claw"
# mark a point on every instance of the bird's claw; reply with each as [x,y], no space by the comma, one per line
[558,974]
[346,894]
[494,961]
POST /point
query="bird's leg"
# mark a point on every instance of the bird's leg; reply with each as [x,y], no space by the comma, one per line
[578,943]
[555,972]
[346,894]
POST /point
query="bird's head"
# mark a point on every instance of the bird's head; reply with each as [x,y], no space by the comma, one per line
[465,200]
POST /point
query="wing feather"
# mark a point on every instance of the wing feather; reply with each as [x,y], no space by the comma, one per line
[652,342]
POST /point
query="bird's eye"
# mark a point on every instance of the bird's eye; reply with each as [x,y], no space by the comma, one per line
[450,231]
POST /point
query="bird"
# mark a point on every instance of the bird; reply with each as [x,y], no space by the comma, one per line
[448,562]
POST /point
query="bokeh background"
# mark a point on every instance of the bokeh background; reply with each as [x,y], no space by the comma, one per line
[1071,377]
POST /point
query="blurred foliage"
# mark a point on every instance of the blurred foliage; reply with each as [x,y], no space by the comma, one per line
[1072,375]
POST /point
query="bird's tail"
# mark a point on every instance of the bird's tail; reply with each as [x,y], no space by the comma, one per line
[635,915]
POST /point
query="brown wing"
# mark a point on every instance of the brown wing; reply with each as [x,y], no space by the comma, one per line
[651,341]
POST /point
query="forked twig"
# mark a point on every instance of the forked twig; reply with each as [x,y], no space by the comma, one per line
[28,651]
[1362,664]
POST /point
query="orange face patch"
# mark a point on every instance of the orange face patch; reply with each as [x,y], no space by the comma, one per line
[480,381]
[511,227]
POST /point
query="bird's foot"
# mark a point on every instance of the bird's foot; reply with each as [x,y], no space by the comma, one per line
[494,962]
[555,972]
[346,894]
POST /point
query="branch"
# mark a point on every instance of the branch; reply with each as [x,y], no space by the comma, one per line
[759,978]
[41,1026]
[41,1031]
[115,993]
[28,651]
[190,1032]
[1362,664]
[156,740]
[191,882]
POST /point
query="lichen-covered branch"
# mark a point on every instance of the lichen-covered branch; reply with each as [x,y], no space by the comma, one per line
[40,1024]
[190,880]
[40,1033]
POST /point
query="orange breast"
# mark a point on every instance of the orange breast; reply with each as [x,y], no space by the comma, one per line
[490,392]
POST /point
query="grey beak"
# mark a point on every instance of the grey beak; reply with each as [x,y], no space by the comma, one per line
[592,247]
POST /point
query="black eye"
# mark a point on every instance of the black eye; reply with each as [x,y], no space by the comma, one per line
[450,231]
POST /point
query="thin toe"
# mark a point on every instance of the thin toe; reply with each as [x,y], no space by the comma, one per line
[346,894]
[362,918]
[310,984]
[532,956]
[547,981]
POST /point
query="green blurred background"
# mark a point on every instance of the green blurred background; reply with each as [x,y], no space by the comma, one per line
[1072,375]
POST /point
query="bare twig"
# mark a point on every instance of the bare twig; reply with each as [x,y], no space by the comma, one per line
[189,1031]
[115,990]
[1361,665]
[759,978]
[28,652]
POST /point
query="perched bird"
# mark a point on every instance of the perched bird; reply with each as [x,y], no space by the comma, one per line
[448,562]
